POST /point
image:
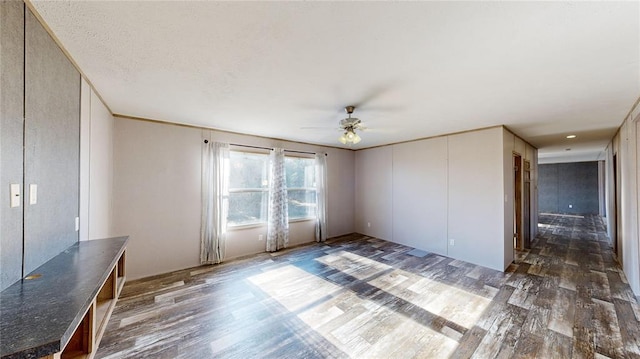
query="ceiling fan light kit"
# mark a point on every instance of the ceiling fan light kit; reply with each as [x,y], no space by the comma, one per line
[349,125]
[349,137]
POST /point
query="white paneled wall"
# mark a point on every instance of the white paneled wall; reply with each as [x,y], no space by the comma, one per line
[420,194]
[96,166]
[625,145]
[101,171]
[157,195]
[476,195]
[451,195]
[373,179]
[85,154]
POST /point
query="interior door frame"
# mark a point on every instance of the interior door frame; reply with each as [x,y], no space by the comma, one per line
[616,209]
[526,203]
[517,201]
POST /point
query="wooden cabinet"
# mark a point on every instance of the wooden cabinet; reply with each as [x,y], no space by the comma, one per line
[86,338]
[64,310]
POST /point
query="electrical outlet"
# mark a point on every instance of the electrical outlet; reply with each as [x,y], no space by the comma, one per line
[33,193]
[369,224]
[77,224]
[452,242]
[570,206]
[15,194]
[260,237]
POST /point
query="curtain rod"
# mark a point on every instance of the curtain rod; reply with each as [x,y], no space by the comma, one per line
[249,146]
[267,148]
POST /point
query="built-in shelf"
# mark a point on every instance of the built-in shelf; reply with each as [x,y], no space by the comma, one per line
[64,310]
[88,334]
[120,273]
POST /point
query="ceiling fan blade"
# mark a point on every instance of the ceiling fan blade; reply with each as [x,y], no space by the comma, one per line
[371,109]
[319,108]
[317,128]
[373,94]
[374,130]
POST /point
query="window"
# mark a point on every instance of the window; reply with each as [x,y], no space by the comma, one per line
[248,188]
[301,187]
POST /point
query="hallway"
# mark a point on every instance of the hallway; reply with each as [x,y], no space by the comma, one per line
[577,289]
[363,297]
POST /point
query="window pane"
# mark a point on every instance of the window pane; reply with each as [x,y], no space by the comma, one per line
[247,208]
[300,172]
[301,203]
[248,170]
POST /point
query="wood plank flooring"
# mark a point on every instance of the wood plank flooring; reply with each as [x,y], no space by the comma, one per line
[363,297]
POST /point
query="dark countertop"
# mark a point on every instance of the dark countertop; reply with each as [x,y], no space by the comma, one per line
[38,316]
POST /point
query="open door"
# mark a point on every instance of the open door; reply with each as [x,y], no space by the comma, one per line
[517,202]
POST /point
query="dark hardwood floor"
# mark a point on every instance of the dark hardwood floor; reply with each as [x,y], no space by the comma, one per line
[363,297]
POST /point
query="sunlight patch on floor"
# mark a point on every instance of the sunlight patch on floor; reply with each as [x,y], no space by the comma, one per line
[293,287]
[449,302]
[352,264]
[357,326]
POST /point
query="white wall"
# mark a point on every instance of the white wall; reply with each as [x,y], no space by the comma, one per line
[96,166]
[419,194]
[373,187]
[157,195]
[428,192]
[85,154]
[476,192]
[342,191]
[101,172]
[629,201]
[626,145]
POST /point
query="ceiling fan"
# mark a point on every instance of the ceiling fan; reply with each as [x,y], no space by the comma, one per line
[349,125]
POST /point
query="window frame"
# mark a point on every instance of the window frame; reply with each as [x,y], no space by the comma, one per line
[266,153]
[313,189]
[263,190]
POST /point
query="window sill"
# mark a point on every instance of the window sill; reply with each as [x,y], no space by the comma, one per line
[302,219]
[245,226]
[258,225]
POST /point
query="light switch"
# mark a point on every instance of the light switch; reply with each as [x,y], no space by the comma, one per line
[77,224]
[15,195]
[33,193]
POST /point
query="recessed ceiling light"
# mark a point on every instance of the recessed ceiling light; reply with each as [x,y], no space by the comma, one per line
[571,136]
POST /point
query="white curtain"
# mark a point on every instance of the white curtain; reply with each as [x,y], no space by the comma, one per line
[215,201]
[321,197]
[278,217]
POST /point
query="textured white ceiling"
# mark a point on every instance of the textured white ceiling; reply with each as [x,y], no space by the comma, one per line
[413,69]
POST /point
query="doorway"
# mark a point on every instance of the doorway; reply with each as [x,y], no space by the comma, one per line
[517,202]
[616,210]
